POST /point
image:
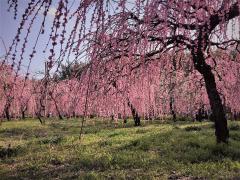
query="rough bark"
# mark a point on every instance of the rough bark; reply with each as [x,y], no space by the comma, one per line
[218,114]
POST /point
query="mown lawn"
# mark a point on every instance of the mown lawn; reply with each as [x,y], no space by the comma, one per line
[167,150]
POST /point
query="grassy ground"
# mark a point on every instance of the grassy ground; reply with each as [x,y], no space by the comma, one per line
[182,150]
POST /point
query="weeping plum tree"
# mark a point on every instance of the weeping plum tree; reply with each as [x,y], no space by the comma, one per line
[139,30]
[196,27]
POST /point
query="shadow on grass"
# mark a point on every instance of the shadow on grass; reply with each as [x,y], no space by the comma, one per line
[188,152]
[23,133]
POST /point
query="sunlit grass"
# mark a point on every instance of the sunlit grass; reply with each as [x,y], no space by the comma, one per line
[153,151]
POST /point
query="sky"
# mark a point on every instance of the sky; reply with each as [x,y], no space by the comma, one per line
[7,26]
[8,29]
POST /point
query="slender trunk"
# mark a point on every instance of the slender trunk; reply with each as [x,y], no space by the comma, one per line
[58,111]
[40,119]
[39,111]
[7,113]
[135,115]
[23,114]
[218,114]
[172,87]
[172,109]
[39,116]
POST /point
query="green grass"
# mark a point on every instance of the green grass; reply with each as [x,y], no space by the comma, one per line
[153,151]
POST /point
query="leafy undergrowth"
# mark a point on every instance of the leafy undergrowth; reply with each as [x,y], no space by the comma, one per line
[181,150]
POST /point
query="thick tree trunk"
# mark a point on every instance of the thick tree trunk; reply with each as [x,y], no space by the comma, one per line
[218,114]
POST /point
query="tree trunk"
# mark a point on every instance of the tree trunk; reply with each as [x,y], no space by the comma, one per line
[7,113]
[56,106]
[39,118]
[218,114]
[59,114]
[23,114]
[172,87]
[174,116]
[135,115]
